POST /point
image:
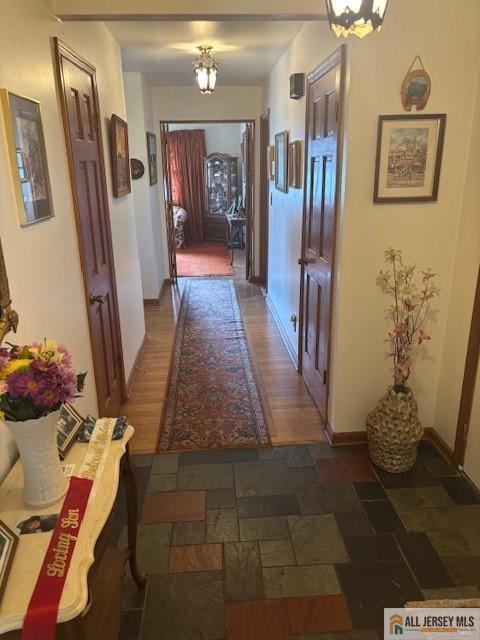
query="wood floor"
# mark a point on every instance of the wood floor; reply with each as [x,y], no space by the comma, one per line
[291,413]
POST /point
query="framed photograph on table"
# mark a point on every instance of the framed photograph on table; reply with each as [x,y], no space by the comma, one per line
[69,422]
[28,157]
[152,158]
[120,157]
[8,544]
[409,158]
[281,161]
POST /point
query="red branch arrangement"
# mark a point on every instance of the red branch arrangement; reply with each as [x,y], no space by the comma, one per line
[408,313]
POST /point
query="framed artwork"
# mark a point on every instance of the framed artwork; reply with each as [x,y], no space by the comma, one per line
[295,164]
[120,157]
[409,158]
[8,544]
[152,158]
[271,162]
[69,422]
[281,161]
[137,168]
[28,157]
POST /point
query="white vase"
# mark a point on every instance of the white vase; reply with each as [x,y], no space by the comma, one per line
[44,482]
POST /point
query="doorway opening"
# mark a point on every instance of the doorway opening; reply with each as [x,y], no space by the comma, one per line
[208,174]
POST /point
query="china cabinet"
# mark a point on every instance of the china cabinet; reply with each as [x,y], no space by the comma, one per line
[221,185]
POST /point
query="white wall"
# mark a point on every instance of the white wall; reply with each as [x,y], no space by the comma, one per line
[43,260]
[222,137]
[227,103]
[376,67]
[148,219]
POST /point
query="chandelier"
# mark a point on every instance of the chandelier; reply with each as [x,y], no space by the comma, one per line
[205,70]
[357,17]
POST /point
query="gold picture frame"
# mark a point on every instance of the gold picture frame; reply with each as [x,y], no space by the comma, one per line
[120,157]
[295,164]
[281,161]
[8,544]
[28,157]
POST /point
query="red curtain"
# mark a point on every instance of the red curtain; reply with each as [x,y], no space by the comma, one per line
[186,151]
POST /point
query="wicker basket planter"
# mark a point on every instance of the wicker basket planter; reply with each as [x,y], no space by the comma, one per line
[394,431]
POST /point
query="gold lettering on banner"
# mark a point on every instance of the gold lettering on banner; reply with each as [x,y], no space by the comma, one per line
[96,451]
[71,521]
[60,555]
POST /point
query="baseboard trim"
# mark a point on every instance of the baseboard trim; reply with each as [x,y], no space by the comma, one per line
[286,340]
[437,440]
[134,371]
[152,302]
[346,437]
[358,437]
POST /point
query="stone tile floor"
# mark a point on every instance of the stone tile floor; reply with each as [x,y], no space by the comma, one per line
[306,542]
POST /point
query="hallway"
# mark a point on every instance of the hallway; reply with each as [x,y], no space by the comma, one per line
[291,414]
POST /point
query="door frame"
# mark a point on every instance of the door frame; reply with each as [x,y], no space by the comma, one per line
[469,382]
[264,208]
[61,49]
[167,197]
[249,250]
[336,58]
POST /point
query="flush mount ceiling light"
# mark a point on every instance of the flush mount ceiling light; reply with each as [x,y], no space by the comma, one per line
[205,70]
[357,17]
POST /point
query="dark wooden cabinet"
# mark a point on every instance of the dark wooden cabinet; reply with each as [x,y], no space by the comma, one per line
[221,187]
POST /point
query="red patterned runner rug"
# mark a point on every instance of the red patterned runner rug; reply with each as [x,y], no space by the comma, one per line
[212,398]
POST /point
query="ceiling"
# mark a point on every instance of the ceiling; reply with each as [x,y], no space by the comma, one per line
[163,52]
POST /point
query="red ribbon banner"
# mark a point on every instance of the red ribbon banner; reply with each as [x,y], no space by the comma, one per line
[41,617]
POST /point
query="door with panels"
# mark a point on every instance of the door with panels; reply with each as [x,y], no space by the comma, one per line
[321,204]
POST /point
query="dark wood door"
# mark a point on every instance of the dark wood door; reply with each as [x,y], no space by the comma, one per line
[322,170]
[167,190]
[81,114]
[264,198]
[249,195]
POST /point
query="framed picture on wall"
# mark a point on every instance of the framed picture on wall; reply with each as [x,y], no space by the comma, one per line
[120,157]
[28,157]
[295,164]
[152,158]
[271,162]
[8,544]
[409,158]
[281,161]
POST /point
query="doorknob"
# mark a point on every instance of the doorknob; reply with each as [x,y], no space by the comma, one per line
[305,261]
[96,298]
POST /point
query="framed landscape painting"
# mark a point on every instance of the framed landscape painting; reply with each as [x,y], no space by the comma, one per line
[28,157]
[152,158]
[120,157]
[409,158]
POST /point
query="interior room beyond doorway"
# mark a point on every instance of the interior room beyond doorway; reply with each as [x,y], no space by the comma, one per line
[208,185]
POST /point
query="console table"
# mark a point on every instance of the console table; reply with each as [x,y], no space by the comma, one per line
[235,226]
[90,606]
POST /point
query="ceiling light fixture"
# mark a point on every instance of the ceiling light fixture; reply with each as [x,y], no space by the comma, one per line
[205,70]
[357,17]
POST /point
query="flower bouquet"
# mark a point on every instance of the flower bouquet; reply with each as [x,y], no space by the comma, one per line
[393,427]
[35,380]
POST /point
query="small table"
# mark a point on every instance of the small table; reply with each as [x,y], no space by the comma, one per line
[234,226]
[96,570]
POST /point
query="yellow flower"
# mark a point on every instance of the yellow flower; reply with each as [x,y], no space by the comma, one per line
[2,416]
[48,350]
[14,365]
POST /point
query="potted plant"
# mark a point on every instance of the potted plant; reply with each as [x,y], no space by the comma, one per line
[35,380]
[393,427]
